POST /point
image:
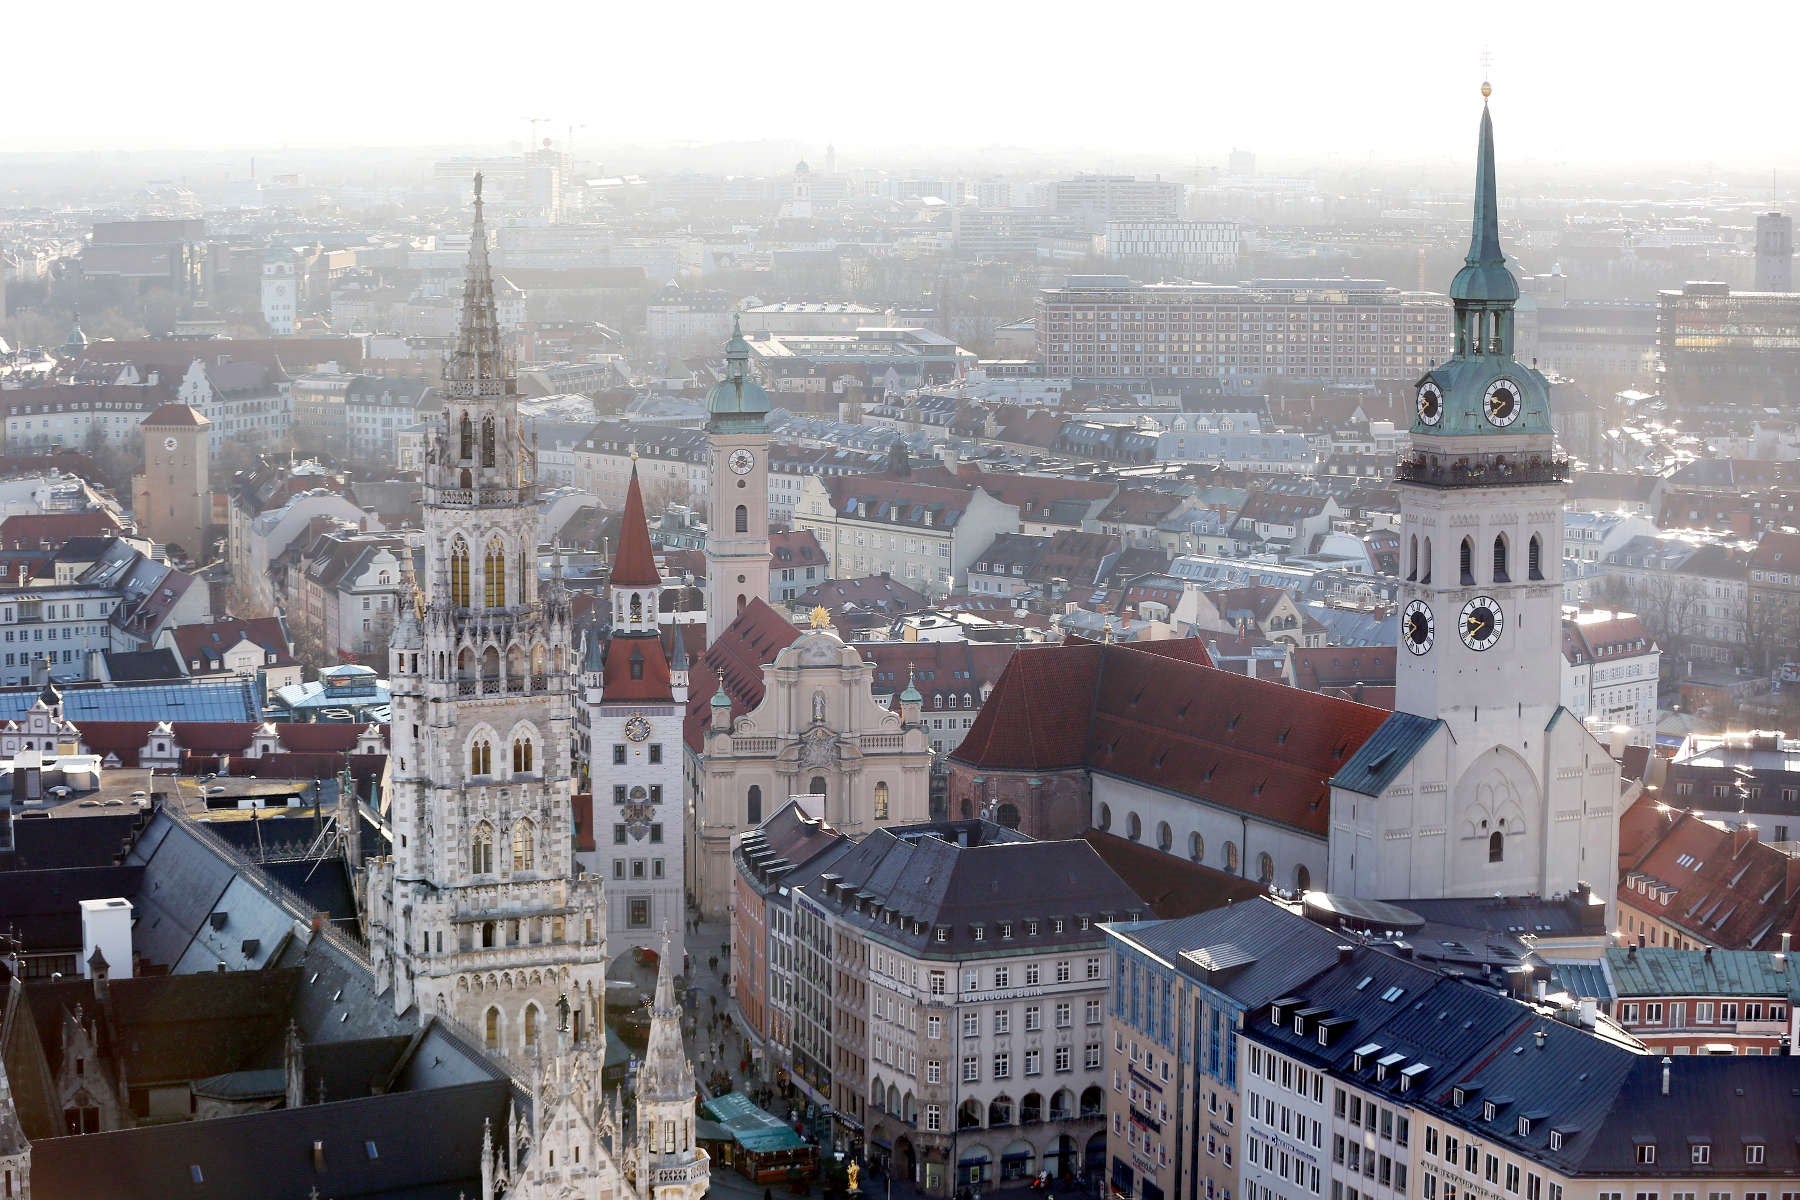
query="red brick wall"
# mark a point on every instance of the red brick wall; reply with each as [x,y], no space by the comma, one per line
[1050,804]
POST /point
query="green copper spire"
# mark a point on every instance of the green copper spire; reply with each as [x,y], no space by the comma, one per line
[1484,275]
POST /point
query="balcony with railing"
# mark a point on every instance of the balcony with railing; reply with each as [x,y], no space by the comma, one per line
[1435,471]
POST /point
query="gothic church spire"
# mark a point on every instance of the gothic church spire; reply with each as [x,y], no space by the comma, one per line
[478,355]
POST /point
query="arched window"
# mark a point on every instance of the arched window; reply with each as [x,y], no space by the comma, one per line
[1196,847]
[1105,821]
[1496,847]
[490,935]
[493,575]
[1412,558]
[1231,857]
[1425,566]
[524,845]
[753,805]
[1468,562]
[1265,869]
[881,801]
[1302,878]
[1500,573]
[817,786]
[467,440]
[459,573]
[487,441]
[531,1024]
[1134,826]
[481,757]
[491,1029]
[937,700]
[522,756]
[1165,837]
[637,608]
[1534,558]
[740,520]
[481,850]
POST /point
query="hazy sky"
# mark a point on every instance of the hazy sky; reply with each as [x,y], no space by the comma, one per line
[1574,80]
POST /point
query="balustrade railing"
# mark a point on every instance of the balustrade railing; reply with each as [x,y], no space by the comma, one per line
[1431,470]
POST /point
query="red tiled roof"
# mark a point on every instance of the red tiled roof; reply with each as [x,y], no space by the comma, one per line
[1728,888]
[28,531]
[735,662]
[291,353]
[582,804]
[1170,887]
[635,564]
[1323,668]
[651,679]
[795,547]
[209,642]
[1158,713]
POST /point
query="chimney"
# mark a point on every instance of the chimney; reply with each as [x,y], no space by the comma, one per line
[1742,836]
[1344,953]
[1787,941]
[1665,1066]
[1540,1037]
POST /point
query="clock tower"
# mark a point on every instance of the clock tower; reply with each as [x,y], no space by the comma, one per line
[634,694]
[1481,783]
[1481,504]
[737,538]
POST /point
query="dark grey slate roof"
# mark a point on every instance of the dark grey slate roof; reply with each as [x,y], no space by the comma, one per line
[1385,753]
[271,1153]
[1284,949]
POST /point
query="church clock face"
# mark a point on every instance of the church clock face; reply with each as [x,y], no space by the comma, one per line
[637,727]
[1481,623]
[1502,402]
[1431,403]
[1418,629]
[169,443]
[741,461]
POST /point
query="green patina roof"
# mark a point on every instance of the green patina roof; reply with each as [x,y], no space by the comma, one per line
[1484,276]
[737,400]
[748,1125]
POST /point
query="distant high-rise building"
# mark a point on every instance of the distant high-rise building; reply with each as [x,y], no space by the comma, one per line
[1723,352]
[1774,252]
[1097,199]
[280,293]
[1242,335]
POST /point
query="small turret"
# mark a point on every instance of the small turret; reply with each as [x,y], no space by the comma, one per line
[910,701]
[721,711]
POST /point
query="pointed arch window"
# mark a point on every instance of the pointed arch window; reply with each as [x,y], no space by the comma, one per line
[881,801]
[524,846]
[1534,558]
[1425,565]
[491,1029]
[459,573]
[487,441]
[1467,556]
[637,608]
[522,756]
[1412,558]
[753,805]
[481,850]
[493,575]
[1501,574]
[1496,847]
[467,438]
[531,1024]
[481,757]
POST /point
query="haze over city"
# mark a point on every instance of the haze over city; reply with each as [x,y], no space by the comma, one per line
[1108,601]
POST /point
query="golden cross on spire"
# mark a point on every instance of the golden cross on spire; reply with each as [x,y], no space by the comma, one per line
[1487,63]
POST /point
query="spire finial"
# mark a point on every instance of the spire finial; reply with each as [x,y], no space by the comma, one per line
[478,187]
[1487,71]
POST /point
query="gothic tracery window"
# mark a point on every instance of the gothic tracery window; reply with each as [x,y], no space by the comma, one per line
[524,846]
[481,850]
[493,575]
[467,438]
[459,573]
[481,757]
[487,441]
[522,756]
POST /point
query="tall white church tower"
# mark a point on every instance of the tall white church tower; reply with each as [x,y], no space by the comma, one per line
[479,914]
[737,536]
[1481,782]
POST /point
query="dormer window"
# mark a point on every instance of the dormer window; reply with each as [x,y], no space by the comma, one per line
[1753,1153]
[1524,1126]
[1556,1139]
[1458,1098]
[1488,1110]
[1646,1154]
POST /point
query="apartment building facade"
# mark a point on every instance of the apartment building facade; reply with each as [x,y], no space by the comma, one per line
[1243,335]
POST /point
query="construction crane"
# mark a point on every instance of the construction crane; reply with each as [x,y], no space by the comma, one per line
[534,122]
